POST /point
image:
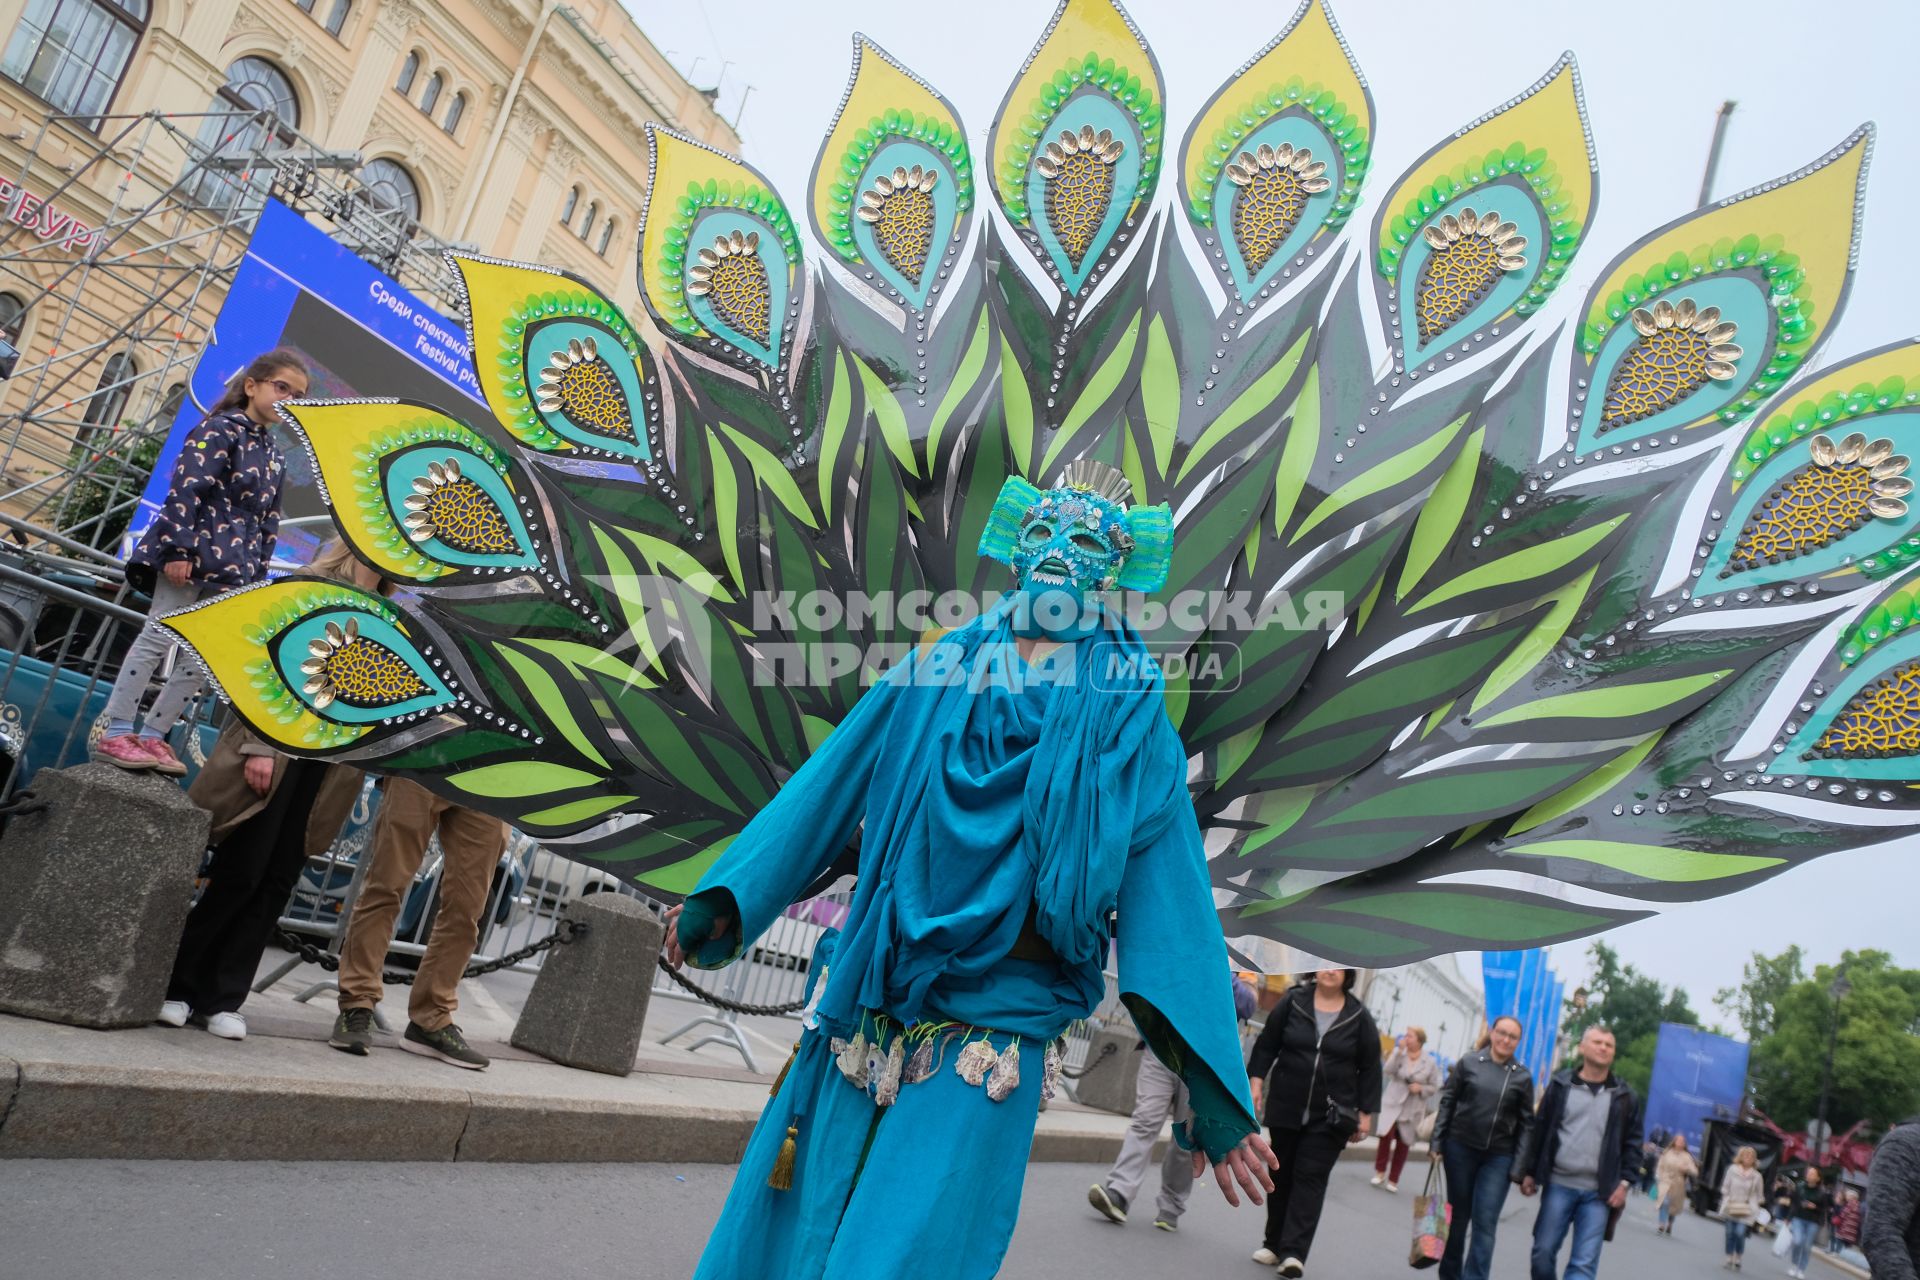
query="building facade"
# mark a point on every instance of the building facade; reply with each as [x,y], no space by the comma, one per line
[513,127]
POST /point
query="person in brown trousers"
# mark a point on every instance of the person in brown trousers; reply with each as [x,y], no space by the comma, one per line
[270,814]
[470,847]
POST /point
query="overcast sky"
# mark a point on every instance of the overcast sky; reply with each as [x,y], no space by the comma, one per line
[1654,73]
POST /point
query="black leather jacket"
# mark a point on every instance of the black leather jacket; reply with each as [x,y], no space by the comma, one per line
[1485,1105]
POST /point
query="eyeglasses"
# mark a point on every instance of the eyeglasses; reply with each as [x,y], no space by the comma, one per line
[285,388]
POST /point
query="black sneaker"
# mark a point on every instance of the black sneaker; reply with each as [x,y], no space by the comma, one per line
[1109,1204]
[446,1044]
[353,1032]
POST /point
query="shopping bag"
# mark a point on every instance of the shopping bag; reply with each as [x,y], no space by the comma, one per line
[1432,1219]
[1783,1239]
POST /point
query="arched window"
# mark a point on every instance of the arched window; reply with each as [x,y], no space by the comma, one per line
[408,70]
[337,15]
[606,238]
[566,210]
[256,110]
[455,109]
[13,316]
[110,394]
[593,216]
[73,53]
[390,188]
[431,98]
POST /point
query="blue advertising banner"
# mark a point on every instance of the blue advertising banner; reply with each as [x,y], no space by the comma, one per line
[357,331]
[1697,1076]
[1545,1028]
[1500,978]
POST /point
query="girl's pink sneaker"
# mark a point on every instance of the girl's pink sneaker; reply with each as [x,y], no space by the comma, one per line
[124,750]
[164,761]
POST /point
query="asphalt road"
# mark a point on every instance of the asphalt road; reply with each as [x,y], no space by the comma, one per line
[101,1220]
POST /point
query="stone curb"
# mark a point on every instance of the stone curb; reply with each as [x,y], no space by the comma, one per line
[67,1111]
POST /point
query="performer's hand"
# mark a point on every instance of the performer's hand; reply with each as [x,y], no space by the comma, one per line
[258,771]
[675,956]
[1250,1164]
[178,572]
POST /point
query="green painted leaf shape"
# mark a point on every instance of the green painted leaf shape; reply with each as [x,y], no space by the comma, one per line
[1524,565]
[1440,515]
[520,779]
[1099,389]
[1538,644]
[1649,861]
[557,712]
[1611,701]
[774,475]
[1384,928]
[892,421]
[833,435]
[1399,469]
[972,364]
[574,812]
[1255,399]
[1591,787]
[1160,395]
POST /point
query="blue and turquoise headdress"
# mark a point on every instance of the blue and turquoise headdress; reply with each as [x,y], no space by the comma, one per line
[1081,532]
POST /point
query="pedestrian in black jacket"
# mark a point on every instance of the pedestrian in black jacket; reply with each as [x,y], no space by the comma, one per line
[1486,1110]
[1584,1153]
[1316,1066]
[1890,1228]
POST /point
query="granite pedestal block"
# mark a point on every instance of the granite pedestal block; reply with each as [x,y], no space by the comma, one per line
[1110,1079]
[93,891]
[587,1006]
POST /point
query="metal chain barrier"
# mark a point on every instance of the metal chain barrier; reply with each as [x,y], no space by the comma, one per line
[1107,1050]
[564,931]
[22,802]
[721,1002]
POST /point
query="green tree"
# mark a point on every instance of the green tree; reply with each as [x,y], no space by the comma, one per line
[1632,1005]
[1764,982]
[1876,1052]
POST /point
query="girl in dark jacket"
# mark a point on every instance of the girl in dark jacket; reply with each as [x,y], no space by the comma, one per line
[1316,1067]
[216,531]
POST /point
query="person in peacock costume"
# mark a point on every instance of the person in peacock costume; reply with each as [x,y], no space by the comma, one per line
[1495,618]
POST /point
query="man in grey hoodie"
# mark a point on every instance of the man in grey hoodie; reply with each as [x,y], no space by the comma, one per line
[1890,1230]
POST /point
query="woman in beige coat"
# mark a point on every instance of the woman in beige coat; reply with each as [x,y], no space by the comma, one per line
[1742,1193]
[1413,1089]
[1675,1169]
[270,814]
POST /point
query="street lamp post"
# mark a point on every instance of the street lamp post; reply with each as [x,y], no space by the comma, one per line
[1837,989]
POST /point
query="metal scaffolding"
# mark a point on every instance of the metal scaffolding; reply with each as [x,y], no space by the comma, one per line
[118,317]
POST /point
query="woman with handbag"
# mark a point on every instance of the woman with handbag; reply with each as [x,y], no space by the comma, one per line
[1413,1081]
[1486,1108]
[1316,1068]
[216,531]
[1741,1191]
[1677,1168]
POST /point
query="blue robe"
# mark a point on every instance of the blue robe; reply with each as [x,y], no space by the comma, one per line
[994,798]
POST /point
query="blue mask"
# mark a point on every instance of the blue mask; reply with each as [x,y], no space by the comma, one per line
[1079,538]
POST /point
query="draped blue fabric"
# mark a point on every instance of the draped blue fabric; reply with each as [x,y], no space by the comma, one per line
[993,791]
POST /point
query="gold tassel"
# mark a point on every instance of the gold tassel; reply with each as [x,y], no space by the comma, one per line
[781,1179]
[784,1068]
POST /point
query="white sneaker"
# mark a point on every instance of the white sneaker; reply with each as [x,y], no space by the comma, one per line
[228,1026]
[1266,1257]
[175,1013]
[1394,1188]
[1376,1179]
[1291,1269]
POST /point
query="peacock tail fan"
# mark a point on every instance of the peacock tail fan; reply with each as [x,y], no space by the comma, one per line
[1495,616]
